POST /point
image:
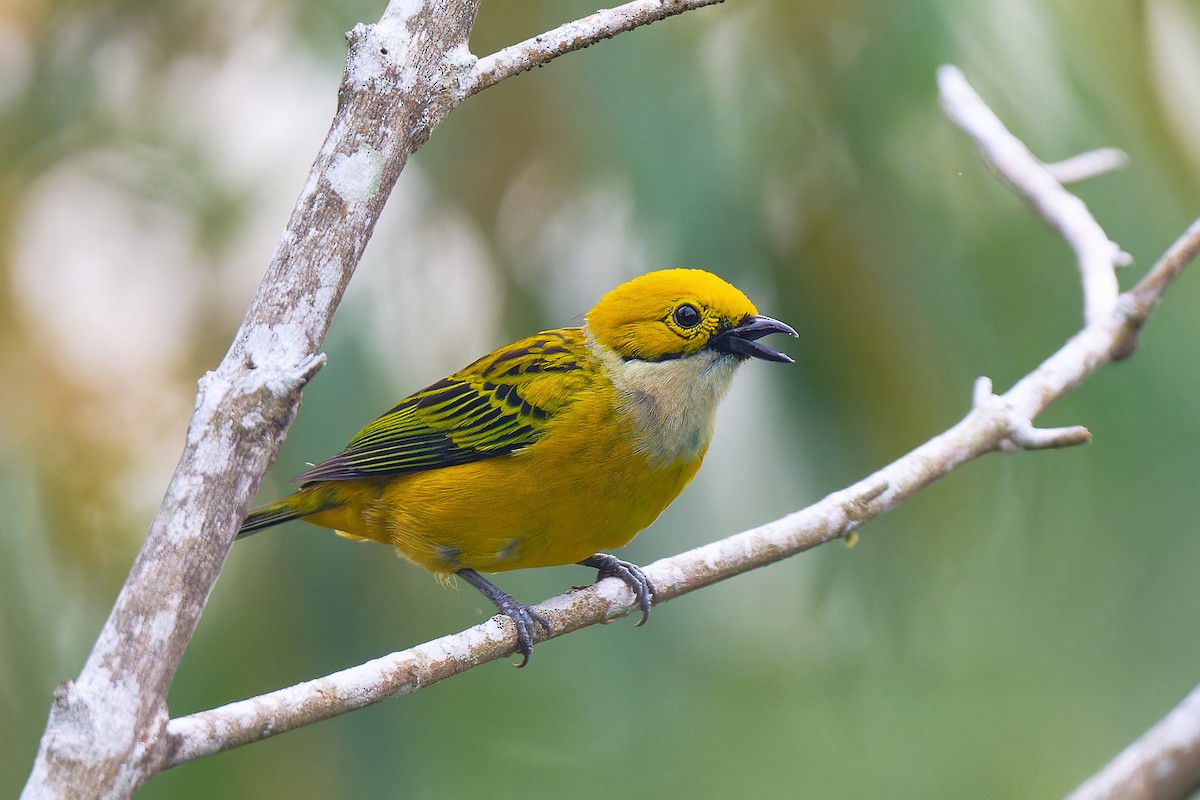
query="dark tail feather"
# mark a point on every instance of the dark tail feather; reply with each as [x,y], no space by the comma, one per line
[268,517]
[303,503]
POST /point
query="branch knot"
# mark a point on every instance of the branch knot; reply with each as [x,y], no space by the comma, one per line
[1022,433]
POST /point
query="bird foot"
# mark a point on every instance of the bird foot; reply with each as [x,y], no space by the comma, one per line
[609,566]
[524,617]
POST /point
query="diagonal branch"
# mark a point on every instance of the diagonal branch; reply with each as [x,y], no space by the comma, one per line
[541,49]
[1163,763]
[995,422]
[1147,294]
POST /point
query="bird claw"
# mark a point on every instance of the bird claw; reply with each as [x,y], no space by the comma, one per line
[524,618]
[609,566]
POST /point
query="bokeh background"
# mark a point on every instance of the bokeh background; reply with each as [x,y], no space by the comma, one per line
[1002,635]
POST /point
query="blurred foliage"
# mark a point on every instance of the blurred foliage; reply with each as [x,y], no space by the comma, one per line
[1003,634]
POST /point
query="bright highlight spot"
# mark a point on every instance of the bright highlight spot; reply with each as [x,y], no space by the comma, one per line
[356,178]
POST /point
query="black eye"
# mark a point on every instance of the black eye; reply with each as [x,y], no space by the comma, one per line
[687,316]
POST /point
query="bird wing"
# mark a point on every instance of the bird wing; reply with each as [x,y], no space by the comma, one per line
[500,404]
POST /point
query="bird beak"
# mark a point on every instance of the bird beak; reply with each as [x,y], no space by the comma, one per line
[743,340]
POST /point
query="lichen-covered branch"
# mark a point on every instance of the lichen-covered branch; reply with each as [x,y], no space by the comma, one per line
[105,733]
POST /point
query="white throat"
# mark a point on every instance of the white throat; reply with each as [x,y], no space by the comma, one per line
[672,403]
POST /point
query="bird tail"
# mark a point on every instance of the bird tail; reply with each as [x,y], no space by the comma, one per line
[299,505]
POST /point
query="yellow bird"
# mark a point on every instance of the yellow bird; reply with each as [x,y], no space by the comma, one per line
[550,450]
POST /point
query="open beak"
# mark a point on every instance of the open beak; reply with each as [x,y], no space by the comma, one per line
[743,340]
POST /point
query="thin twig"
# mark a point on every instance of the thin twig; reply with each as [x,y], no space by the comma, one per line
[1149,290]
[1086,166]
[1030,178]
[604,24]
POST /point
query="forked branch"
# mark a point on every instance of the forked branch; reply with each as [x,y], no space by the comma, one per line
[1040,186]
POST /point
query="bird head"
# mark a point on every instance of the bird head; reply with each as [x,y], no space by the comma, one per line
[675,313]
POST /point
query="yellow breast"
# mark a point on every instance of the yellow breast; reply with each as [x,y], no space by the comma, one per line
[583,488]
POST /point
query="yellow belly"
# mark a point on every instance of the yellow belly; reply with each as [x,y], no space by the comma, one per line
[579,490]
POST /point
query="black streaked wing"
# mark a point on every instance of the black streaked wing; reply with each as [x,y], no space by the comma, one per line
[482,411]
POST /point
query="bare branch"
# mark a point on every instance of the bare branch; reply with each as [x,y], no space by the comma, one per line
[407,671]
[1149,290]
[604,24]
[995,422]
[1164,764]
[1025,436]
[1086,166]
[1028,437]
[1031,179]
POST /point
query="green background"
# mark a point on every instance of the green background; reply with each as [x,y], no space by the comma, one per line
[1003,634]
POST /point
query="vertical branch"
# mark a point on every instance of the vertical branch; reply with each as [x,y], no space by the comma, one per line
[104,735]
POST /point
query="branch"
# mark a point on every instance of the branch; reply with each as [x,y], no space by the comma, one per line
[540,50]
[1164,763]
[1086,166]
[984,429]
[1003,422]
[1146,295]
[106,728]
[1037,185]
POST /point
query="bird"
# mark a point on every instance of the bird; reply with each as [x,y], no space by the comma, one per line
[548,451]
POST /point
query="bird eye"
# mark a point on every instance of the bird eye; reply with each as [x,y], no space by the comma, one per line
[687,316]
